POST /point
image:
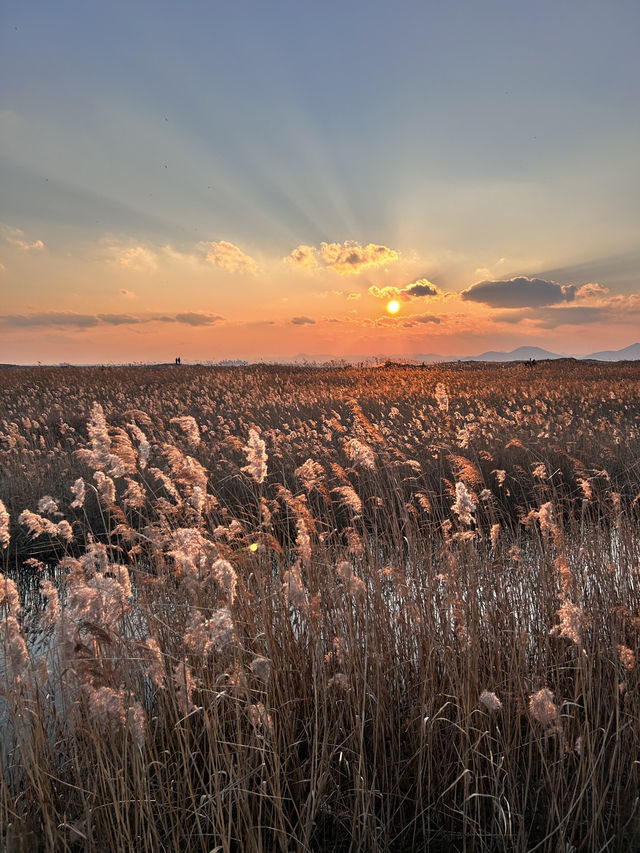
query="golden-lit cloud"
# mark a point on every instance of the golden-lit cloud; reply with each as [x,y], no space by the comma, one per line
[136,258]
[303,257]
[16,237]
[229,257]
[348,258]
[349,295]
[388,292]
[419,289]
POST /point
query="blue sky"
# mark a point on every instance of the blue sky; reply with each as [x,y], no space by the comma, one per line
[488,141]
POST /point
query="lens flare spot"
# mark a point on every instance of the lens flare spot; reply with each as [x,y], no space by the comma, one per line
[393,306]
[253,547]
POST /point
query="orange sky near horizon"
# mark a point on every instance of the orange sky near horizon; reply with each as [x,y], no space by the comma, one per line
[116,302]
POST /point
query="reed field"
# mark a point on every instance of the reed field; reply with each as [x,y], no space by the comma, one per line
[270,608]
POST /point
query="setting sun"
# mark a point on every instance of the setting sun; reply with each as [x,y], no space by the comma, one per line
[393,307]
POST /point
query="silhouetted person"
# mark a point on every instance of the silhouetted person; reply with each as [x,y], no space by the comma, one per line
[178,360]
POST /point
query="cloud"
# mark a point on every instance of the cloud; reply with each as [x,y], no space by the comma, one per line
[591,291]
[348,258]
[578,315]
[87,321]
[136,258]
[303,257]
[303,321]
[16,237]
[350,296]
[119,319]
[50,318]
[422,287]
[520,292]
[618,309]
[416,290]
[401,322]
[128,294]
[388,292]
[421,319]
[574,315]
[198,318]
[229,257]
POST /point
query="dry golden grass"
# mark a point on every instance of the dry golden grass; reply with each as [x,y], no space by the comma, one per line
[300,609]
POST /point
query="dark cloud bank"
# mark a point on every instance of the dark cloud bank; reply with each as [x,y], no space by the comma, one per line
[519,292]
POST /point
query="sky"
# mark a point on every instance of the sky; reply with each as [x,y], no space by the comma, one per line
[253,180]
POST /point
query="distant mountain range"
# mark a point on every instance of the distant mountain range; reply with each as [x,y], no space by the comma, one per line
[519,354]
[630,353]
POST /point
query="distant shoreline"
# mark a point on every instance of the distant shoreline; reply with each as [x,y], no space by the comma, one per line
[337,364]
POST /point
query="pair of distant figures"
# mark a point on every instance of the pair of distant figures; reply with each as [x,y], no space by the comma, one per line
[178,360]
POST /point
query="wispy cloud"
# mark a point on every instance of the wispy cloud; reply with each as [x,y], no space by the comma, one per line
[395,322]
[135,258]
[619,270]
[16,237]
[420,319]
[119,319]
[617,309]
[77,320]
[198,318]
[551,318]
[302,321]
[51,318]
[229,257]
[348,258]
